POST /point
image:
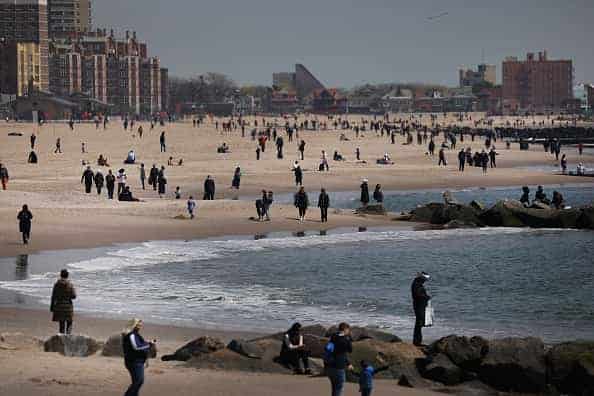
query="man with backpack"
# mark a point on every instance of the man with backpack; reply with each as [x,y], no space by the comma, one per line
[336,360]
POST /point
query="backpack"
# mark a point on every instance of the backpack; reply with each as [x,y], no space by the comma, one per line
[329,356]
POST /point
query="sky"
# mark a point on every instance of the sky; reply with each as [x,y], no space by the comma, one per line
[351,42]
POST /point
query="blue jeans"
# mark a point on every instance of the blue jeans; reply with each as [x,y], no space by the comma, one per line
[136,370]
[337,378]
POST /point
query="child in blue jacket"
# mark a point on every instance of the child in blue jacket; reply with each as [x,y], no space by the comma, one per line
[366,377]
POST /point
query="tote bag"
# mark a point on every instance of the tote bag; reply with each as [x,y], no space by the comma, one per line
[429,315]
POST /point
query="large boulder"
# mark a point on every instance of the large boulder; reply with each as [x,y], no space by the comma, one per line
[365,333]
[113,346]
[465,352]
[431,213]
[72,345]
[586,219]
[440,368]
[371,210]
[402,358]
[501,215]
[199,346]
[571,367]
[316,330]
[515,365]
[463,214]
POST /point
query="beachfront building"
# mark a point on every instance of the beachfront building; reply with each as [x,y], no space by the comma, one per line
[23,46]
[328,101]
[68,17]
[537,84]
[302,82]
[114,70]
[590,95]
[484,75]
[398,101]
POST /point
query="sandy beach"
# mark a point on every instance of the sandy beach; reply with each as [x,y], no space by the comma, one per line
[65,217]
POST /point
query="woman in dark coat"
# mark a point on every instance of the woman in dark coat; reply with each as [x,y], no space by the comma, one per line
[378,195]
[162,182]
[61,303]
[25,217]
[236,178]
[301,203]
[364,192]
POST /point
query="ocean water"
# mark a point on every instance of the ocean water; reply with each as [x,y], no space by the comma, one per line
[489,282]
[399,201]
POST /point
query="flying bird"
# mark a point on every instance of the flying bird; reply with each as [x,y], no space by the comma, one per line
[432,18]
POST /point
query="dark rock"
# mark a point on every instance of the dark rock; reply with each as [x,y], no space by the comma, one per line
[440,368]
[568,218]
[463,351]
[476,205]
[372,210]
[586,218]
[571,367]
[462,213]
[72,345]
[456,224]
[315,345]
[258,349]
[199,346]
[515,364]
[365,333]
[431,213]
[501,215]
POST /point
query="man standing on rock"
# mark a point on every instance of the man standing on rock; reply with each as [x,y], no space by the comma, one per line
[420,300]
[61,303]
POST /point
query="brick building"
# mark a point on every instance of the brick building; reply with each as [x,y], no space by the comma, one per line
[537,85]
[24,47]
[590,94]
[114,70]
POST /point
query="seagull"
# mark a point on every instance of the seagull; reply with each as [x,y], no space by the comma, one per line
[431,18]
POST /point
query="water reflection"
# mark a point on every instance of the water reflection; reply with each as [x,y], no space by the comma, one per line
[22,267]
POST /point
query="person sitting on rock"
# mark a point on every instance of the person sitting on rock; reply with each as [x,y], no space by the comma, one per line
[541,196]
[32,158]
[525,199]
[223,149]
[581,169]
[337,156]
[294,351]
[557,200]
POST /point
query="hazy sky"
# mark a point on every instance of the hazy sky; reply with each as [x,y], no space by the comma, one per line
[347,42]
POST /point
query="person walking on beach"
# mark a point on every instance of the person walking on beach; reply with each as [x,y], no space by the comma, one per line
[294,353]
[324,204]
[364,192]
[191,205]
[162,142]
[420,300]
[136,353]
[492,156]
[298,174]
[301,149]
[279,147]
[153,175]
[122,178]
[24,217]
[461,160]
[88,177]
[142,175]
[162,182]
[378,195]
[4,176]
[209,188]
[442,158]
[33,138]
[61,303]
[301,203]
[236,178]
[58,146]
[336,358]
[99,180]
[110,184]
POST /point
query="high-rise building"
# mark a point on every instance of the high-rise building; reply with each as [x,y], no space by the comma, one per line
[484,74]
[24,54]
[67,17]
[537,84]
[590,94]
